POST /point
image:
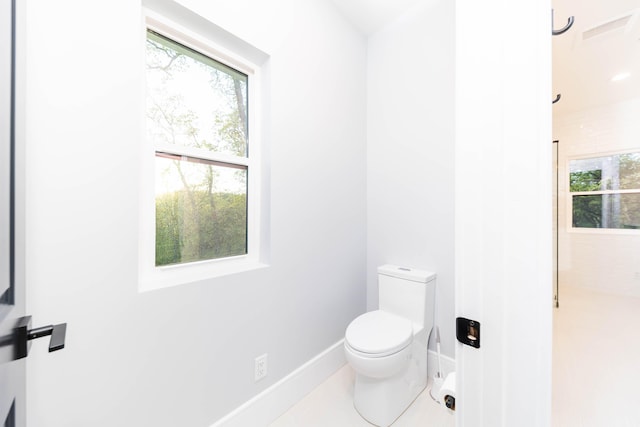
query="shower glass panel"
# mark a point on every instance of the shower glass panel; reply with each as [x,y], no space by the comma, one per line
[554,192]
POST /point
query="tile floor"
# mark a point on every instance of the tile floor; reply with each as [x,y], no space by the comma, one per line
[331,405]
[596,373]
[596,360]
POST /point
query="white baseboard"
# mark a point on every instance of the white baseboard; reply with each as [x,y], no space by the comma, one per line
[267,406]
[448,364]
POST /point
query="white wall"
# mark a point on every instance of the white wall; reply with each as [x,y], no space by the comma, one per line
[183,356]
[410,152]
[606,262]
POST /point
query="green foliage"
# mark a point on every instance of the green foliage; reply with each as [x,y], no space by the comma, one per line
[230,130]
[629,171]
[607,211]
[585,180]
[612,210]
[630,211]
[587,211]
[196,225]
[207,218]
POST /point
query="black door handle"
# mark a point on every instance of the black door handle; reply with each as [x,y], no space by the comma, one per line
[24,334]
[57,333]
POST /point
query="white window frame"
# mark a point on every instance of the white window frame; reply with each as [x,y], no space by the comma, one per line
[569,203]
[150,276]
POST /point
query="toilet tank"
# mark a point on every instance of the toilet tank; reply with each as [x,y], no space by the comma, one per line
[407,292]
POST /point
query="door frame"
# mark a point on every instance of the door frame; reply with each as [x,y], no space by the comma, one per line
[13,372]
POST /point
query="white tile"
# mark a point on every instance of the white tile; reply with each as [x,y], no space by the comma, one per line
[331,404]
[595,360]
[596,373]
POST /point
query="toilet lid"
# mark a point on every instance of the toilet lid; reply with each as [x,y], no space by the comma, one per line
[378,332]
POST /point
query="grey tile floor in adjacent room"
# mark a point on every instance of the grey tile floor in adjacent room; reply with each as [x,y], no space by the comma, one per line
[331,405]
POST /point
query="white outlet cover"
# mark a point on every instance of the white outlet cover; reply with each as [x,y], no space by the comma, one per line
[260,367]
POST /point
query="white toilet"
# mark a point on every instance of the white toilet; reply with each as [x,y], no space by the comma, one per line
[387,348]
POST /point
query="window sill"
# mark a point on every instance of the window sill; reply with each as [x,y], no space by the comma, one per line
[181,274]
[605,231]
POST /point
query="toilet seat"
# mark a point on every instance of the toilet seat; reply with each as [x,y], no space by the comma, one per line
[378,334]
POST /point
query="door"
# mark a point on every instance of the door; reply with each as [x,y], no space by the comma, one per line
[503,217]
[12,371]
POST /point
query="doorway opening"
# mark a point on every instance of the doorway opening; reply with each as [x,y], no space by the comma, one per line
[596,69]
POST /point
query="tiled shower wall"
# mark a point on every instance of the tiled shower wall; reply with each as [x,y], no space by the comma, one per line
[607,261]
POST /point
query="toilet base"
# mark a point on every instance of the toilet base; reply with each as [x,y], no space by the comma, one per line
[382,401]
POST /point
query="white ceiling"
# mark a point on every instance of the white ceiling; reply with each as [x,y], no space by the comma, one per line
[371,15]
[583,68]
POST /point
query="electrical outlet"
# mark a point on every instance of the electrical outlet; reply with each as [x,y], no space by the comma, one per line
[260,367]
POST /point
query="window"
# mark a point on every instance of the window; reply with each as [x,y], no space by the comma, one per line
[605,191]
[203,220]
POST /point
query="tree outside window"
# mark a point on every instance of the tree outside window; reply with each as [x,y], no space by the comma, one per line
[197,120]
[605,191]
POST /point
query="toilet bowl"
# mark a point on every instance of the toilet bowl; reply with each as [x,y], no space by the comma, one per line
[387,348]
[378,344]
